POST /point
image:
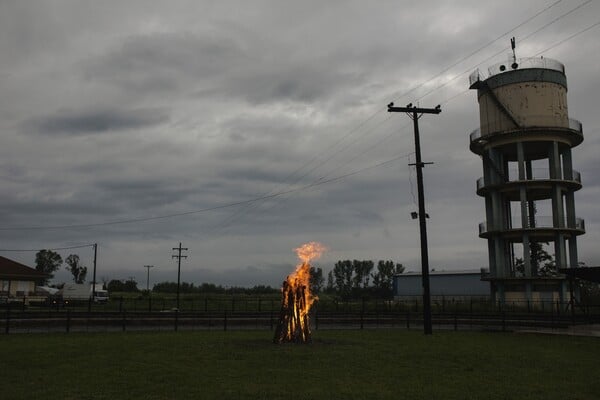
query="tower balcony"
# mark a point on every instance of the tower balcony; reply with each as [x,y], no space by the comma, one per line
[543,229]
[569,131]
[539,186]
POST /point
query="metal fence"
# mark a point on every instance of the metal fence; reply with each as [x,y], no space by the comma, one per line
[258,313]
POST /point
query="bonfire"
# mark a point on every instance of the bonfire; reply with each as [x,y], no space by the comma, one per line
[297,299]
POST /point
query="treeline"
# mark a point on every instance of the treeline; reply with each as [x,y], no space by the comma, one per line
[348,279]
[211,288]
[363,278]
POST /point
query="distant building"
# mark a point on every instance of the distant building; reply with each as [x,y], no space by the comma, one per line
[457,285]
[18,282]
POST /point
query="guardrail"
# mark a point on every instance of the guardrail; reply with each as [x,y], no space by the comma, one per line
[539,174]
[539,222]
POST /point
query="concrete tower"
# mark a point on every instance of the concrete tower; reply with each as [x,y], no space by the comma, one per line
[525,140]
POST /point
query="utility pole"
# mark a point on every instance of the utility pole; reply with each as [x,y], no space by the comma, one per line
[415,113]
[93,279]
[148,277]
[178,256]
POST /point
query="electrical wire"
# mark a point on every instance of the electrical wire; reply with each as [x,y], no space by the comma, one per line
[416,87]
[525,38]
[320,182]
[203,210]
[446,69]
[53,249]
[568,38]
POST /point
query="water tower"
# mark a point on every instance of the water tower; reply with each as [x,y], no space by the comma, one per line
[525,140]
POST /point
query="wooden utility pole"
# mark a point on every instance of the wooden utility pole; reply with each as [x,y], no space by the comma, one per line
[93,279]
[415,113]
[178,256]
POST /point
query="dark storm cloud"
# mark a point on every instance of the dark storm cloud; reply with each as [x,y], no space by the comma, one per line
[75,123]
[165,62]
[221,102]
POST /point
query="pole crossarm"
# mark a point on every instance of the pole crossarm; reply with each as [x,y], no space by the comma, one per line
[414,110]
[178,256]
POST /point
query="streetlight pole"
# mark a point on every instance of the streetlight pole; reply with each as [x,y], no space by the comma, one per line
[148,277]
[148,286]
[415,113]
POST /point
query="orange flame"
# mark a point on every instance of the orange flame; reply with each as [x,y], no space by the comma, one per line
[297,298]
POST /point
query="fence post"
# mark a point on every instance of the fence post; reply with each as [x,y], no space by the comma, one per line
[6,329]
[471,307]
[271,318]
[149,303]
[176,319]
[121,304]
[361,319]
[455,318]
[225,321]
[124,320]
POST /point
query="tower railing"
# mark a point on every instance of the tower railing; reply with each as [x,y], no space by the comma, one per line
[539,222]
[539,174]
[521,63]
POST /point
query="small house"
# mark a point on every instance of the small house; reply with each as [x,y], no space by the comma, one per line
[18,282]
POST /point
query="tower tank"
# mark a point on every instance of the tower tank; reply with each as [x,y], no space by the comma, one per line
[525,139]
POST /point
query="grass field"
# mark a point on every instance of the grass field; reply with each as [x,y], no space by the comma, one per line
[372,364]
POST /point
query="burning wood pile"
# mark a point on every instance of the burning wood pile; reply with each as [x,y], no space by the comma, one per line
[296,298]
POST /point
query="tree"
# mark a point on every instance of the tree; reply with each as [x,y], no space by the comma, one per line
[116,285]
[47,261]
[330,284]
[542,263]
[384,277]
[342,274]
[77,270]
[316,279]
[362,271]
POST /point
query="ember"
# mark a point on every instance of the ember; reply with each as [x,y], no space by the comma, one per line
[296,298]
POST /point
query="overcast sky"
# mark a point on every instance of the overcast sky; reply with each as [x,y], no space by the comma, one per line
[113,111]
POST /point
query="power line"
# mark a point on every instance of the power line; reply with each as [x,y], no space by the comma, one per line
[525,38]
[569,38]
[240,213]
[53,249]
[356,129]
[528,36]
[230,221]
[203,210]
[480,49]
[404,94]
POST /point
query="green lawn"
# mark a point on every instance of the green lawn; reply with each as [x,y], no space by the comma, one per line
[370,364]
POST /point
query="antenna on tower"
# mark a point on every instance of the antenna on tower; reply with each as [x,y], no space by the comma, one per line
[512,46]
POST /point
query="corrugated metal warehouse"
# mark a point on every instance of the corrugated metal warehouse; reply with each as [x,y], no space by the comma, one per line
[449,284]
